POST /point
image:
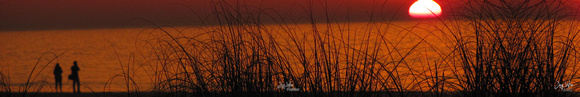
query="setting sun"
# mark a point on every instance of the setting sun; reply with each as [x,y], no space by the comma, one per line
[425,8]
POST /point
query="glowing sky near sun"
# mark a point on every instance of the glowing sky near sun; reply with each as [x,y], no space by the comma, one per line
[95,14]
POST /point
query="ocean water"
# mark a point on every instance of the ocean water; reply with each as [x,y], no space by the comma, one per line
[97,51]
[104,55]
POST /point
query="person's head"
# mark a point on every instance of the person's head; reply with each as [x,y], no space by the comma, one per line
[75,63]
[57,64]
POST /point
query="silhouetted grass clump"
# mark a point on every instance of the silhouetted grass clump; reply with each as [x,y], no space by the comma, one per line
[5,88]
[496,48]
[243,55]
[515,47]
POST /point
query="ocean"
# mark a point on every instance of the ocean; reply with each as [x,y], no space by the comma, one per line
[106,55]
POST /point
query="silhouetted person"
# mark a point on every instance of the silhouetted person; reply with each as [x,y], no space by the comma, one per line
[57,77]
[75,77]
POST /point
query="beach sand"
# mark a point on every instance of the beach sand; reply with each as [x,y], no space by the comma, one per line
[85,94]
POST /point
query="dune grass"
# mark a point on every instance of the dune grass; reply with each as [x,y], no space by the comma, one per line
[242,55]
[519,48]
[5,83]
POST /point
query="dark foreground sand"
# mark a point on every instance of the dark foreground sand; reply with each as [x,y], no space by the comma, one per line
[261,94]
[148,94]
[69,94]
[242,94]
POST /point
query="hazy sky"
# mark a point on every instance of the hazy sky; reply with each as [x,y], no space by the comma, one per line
[83,14]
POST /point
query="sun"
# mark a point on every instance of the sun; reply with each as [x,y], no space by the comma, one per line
[424,9]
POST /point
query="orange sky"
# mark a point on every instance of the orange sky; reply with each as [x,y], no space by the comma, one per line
[83,14]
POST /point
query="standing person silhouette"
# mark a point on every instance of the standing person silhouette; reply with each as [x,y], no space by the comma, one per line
[57,77]
[75,77]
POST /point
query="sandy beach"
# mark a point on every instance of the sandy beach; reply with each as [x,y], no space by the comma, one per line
[86,94]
